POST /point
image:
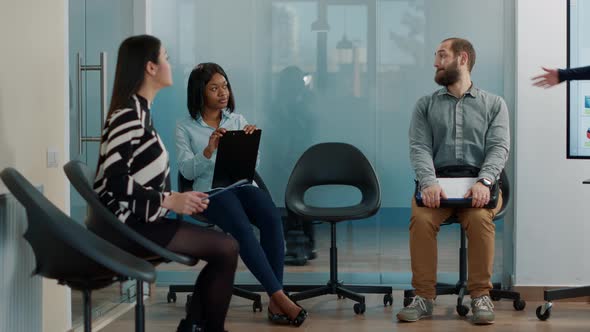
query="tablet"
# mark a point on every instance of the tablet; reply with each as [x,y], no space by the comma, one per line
[231,186]
[236,157]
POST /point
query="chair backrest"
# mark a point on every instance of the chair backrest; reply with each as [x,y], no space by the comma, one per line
[505,187]
[333,164]
[63,247]
[105,224]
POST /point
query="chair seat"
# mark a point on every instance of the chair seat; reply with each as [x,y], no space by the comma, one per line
[87,260]
[333,214]
[80,274]
[84,284]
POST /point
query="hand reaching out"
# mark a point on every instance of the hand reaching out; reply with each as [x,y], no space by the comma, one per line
[548,79]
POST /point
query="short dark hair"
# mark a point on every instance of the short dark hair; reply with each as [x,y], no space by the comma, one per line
[134,54]
[459,45]
[197,81]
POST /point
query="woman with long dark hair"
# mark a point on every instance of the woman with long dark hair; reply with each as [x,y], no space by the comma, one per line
[132,180]
[210,104]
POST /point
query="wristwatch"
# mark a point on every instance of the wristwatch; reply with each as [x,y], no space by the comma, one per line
[485,182]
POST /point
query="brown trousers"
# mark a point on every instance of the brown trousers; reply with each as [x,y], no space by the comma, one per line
[480,229]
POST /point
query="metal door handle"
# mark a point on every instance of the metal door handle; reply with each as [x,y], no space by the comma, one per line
[102,67]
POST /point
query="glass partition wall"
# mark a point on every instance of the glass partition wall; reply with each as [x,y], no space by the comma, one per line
[311,71]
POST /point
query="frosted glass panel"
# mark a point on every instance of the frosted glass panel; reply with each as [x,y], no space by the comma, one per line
[319,71]
[355,80]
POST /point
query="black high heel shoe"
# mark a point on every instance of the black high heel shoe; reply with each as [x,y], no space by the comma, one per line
[297,321]
[279,319]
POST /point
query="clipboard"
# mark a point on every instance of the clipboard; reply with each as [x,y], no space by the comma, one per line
[456,188]
[236,158]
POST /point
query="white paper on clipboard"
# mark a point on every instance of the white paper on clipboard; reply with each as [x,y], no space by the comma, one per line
[456,188]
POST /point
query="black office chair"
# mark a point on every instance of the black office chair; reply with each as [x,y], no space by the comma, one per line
[460,288]
[243,291]
[105,224]
[335,164]
[66,251]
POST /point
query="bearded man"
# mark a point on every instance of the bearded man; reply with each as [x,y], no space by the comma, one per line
[458,124]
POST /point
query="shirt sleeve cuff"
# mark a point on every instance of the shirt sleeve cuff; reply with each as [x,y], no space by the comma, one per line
[561,75]
[162,198]
[488,176]
[427,183]
[201,160]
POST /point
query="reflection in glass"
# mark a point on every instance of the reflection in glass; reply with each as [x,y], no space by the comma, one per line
[307,72]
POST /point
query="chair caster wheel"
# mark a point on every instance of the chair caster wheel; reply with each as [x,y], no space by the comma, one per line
[407,301]
[519,304]
[359,308]
[387,299]
[462,310]
[544,311]
[171,297]
[257,306]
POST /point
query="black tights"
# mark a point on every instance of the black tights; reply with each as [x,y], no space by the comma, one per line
[213,289]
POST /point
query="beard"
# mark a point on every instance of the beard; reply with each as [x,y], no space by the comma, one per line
[448,76]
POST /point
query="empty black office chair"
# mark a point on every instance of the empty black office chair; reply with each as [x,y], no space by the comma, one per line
[105,224]
[335,164]
[66,251]
[460,288]
[243,291]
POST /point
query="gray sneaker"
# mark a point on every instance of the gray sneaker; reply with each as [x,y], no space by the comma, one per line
[483,310]
[418,309]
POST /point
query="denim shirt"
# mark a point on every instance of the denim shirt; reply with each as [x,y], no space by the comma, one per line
[192,137]
[446,130]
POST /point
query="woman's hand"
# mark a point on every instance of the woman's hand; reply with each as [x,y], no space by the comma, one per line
[213,142]
[188,203]
[249,129]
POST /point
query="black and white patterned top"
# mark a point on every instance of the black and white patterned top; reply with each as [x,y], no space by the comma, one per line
[132,177]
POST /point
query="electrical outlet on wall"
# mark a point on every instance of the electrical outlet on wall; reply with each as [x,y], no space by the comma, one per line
[52,157]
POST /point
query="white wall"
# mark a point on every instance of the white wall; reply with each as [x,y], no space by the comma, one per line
[552,211]
[33,111]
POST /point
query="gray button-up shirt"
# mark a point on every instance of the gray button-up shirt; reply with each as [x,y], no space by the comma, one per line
[446,130]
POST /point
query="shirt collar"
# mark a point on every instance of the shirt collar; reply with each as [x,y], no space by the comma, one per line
[143,102]
[225,114]
[473,91]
